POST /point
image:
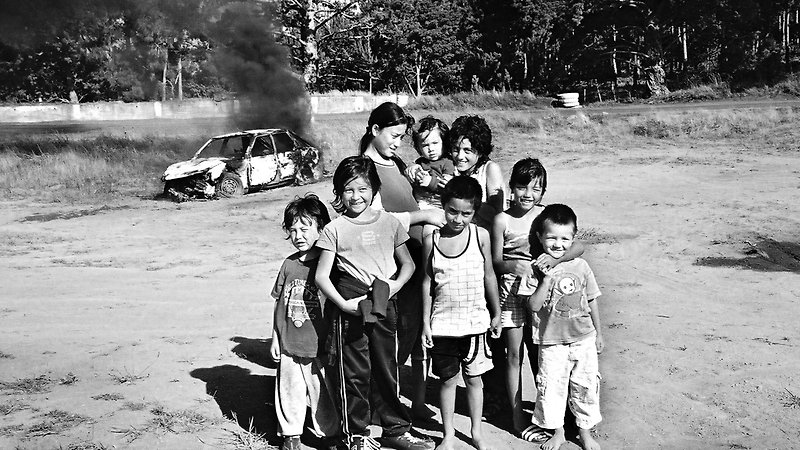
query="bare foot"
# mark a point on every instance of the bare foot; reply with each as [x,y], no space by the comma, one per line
[448,443]
[555,442]
[587,441]
[479,442]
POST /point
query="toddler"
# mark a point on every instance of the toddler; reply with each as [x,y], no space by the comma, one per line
[434,167]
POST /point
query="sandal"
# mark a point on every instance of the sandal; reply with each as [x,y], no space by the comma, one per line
[535,434]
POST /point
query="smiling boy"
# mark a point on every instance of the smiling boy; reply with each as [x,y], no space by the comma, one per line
[566,326]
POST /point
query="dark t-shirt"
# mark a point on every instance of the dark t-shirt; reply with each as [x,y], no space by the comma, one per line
[299,304]
[397,196]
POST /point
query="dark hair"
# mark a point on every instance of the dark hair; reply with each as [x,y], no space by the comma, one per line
[463,188]
[307,207]
[384,115]
[477,131]
[527,170]
[558,214]
[349,169]
[426,125]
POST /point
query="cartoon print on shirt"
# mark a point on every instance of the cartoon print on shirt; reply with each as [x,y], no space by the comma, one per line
[302,302]
[567,295]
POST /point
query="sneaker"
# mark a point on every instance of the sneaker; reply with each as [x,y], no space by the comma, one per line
[363,443]
[291,443]
[407,441]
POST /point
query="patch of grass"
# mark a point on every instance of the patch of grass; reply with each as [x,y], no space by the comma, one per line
[480,100]
[35,385]
[125,376]
[4,355]
[703,92]
[135,406]
[249,439]
[55,422]
[12,406]
[183,421]
[108,397]
[68,379]
[792,400]
[84,445]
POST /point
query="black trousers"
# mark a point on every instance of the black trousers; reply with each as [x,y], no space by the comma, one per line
[368,376]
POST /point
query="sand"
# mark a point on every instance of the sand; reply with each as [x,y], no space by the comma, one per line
[144,323]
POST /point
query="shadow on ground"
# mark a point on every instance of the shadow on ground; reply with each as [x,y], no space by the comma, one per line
[241,396]
[254,350]
[765,255]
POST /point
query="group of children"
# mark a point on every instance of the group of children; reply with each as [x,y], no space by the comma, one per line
[484,272]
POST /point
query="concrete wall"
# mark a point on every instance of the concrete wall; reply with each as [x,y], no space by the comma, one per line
[188,109]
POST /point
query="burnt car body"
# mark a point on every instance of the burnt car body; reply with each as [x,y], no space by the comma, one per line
[236,163]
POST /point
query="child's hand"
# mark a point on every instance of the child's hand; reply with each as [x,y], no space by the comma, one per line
[424,178]
[546,261]
[412,172]
[495,328]
[275,349]
[350,306]
[427,336]
[543,267]
[443,180]
[599,343]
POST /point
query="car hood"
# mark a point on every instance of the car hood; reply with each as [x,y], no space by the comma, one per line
[194,166]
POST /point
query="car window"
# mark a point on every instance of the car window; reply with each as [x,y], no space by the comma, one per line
[283,143]
[262,147]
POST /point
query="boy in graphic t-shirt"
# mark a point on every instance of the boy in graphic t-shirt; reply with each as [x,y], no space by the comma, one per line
[297,326]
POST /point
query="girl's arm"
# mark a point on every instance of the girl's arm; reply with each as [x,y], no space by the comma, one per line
[548,262]
[323,280]
[407,267]
[427,216]
[495,194]
[427,248]
[516,266]
[594,312]
[490,283]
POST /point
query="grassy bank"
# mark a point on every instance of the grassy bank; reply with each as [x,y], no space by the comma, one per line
[107,168]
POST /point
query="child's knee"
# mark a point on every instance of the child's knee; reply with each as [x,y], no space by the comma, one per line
[473,382]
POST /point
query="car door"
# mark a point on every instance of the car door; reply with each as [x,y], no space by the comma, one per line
[284,147]
[263,162]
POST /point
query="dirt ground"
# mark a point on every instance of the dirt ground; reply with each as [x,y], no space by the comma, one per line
[144,323]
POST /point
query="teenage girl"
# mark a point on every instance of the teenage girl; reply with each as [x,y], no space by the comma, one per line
[470,147]
[368,248]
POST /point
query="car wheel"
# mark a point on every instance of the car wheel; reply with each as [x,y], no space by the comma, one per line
[229,185]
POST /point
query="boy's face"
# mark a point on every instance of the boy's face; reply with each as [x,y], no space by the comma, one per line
[464,156]
[431,146]
[528,195]
[555,238]
[458,213]
[304,233]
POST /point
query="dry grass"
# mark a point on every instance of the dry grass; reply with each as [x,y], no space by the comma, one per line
[249,439]
[125,376]
[12,406]
[108,397]
[54,422]
[164,421]
[480,100]
[34,385]
[4,355]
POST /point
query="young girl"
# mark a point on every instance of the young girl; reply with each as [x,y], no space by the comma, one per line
[511,255]
[387,126]
[433,168]
[299,327]
[470,147]
[368,248]
[458,270]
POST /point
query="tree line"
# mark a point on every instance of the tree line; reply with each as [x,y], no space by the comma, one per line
[91,50]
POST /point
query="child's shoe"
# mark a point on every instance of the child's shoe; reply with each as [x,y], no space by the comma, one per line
[408,441]
[291,443]
[363,443]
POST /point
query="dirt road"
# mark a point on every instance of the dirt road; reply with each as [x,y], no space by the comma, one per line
[143,324]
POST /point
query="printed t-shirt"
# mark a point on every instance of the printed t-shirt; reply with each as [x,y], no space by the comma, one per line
[299,304]
[364,249]
[564,317]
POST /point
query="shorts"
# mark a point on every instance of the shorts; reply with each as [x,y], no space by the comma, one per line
[513,307]
[469,353]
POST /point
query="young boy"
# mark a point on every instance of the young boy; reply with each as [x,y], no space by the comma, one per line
[566,326]
[458,270]
[298,325]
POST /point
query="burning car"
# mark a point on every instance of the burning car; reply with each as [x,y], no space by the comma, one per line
[234,164]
